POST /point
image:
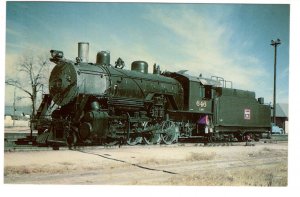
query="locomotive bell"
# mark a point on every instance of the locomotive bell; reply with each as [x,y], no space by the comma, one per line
[140,66]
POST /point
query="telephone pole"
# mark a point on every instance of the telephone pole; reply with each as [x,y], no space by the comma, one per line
[14,107]
[275,44]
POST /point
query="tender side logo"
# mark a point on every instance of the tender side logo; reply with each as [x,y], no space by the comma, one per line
[247,114]
[201,103]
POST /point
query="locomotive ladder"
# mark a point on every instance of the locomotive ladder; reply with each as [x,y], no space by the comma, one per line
[44,106]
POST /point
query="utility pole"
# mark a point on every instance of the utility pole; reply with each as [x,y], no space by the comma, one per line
[275,44]
[14,106]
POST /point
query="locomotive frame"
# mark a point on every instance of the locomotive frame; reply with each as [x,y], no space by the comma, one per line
[103,104]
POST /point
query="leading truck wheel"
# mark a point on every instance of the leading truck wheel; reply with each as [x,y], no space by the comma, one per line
[134,140]
[169,134]
[71,139]
[110,141]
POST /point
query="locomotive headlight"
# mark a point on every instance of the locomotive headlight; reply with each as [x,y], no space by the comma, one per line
[55,54]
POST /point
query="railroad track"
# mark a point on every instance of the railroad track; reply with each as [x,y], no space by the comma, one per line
[11,147]
[11,137]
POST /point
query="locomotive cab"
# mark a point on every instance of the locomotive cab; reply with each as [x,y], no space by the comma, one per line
[198,92]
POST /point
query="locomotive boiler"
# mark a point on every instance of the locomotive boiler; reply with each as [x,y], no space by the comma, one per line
[101,103]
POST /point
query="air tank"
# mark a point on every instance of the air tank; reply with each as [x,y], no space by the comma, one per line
[103,58]
[140,66]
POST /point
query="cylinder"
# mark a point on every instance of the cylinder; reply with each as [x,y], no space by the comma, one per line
[140,66]
[85,130]
[83,52]
[103,58]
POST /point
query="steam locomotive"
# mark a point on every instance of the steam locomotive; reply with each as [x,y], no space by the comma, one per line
[98,103]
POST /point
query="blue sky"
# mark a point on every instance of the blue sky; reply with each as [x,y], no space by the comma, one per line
[227,40]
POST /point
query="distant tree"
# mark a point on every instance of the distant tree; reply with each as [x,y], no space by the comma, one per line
[31,78]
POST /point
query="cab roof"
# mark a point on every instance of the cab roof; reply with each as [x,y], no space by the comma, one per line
[202,80]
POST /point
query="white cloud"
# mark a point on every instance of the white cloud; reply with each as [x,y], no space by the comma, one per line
[284,74]
[196,42]
[13,32]
[206,48]
[10,64]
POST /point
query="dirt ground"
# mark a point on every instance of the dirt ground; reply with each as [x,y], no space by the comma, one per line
[264,164]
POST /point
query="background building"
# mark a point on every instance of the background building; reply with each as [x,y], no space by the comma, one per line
[282,118]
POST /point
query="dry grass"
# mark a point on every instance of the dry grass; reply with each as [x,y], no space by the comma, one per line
[190,157]
[154,161]
[21,170]
[266,149]
[62,167]
[264,165]
[59,168]
[265,176]
[267,152]
[200,156]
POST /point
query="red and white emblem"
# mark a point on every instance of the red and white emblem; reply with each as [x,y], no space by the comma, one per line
[247,114]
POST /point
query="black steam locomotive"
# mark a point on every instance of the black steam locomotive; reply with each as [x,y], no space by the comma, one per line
[101,103]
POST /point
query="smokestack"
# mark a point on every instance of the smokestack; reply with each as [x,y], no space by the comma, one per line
[83,52]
